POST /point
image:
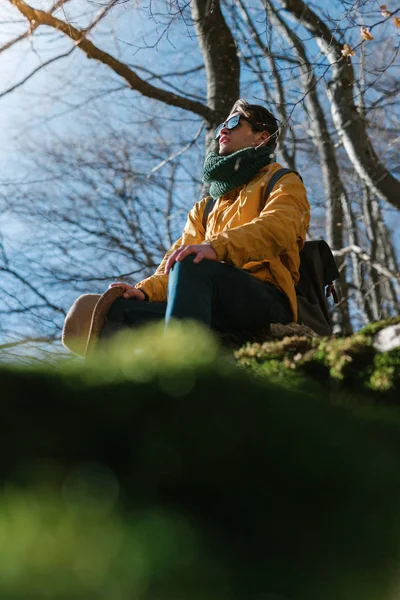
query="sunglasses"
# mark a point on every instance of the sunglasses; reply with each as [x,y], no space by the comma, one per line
[231,123]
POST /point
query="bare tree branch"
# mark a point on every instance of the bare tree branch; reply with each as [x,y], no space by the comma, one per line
[262,76]
[21,37]
[178,153]
[27,341]
[367,258]
[40,17]
[39,68]
[59,4]
[34,289]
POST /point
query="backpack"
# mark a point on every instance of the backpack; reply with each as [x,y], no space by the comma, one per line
[318,271]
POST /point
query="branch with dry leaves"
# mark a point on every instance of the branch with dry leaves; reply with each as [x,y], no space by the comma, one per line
[350,125]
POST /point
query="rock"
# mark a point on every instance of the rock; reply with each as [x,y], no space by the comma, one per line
[277,330]
[387,339]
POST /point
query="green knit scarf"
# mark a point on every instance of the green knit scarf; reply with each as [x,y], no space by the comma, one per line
[225,173]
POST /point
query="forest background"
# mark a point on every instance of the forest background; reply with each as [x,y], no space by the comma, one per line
[107,109]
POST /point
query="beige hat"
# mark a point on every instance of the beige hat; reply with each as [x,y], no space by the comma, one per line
[85,320]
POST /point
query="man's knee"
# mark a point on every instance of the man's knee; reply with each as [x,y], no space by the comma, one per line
[190,268]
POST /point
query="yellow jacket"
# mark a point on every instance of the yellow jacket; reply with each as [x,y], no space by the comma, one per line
[266,243]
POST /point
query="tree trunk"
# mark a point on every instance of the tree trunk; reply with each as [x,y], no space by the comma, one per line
[372,285]
[356,262]
[221,60]
[334,192]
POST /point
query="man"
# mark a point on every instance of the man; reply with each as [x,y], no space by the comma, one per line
[240,270]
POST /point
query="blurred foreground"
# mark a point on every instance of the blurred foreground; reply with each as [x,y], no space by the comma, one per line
[162,471]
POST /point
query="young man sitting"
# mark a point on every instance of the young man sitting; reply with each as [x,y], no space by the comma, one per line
[238,270]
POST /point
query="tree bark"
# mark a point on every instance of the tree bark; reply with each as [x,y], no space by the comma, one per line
[356,261]
[221,60]
[372,283]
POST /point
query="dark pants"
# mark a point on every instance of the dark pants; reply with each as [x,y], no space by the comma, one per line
[222,297]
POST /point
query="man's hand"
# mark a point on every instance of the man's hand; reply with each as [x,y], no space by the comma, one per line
[129,291]
[200,250]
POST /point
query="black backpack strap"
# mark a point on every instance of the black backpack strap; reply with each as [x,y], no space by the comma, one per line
[207,209]
[273,181]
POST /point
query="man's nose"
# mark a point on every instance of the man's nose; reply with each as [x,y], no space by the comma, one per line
[223,130]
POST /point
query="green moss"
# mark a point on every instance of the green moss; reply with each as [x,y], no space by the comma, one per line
[286,349]
[349,359]
[350,363]
[385,376]
[372,328]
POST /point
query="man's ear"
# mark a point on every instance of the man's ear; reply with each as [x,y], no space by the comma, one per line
[264,138]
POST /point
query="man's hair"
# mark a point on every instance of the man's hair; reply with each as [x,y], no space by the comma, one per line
[261,119]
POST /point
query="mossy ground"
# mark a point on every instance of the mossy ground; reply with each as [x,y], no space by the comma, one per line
[349,364]
[158,469]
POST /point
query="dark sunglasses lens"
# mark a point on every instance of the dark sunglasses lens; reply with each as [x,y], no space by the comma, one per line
[229,124]
[233,122]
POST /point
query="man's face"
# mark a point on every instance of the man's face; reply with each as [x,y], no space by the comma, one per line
[241,136]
